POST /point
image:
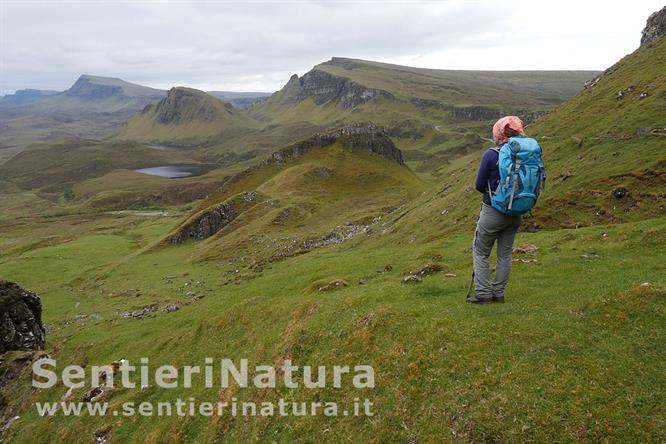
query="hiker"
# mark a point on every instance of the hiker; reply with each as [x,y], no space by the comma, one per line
[511,176]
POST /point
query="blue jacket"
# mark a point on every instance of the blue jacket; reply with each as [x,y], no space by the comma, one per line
[488,172]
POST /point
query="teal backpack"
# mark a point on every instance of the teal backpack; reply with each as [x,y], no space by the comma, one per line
[522,176]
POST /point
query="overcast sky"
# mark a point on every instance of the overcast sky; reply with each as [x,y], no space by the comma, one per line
[256,46]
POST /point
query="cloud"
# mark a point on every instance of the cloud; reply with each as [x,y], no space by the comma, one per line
[257,45]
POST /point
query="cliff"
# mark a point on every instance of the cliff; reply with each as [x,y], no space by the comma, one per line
[326,88]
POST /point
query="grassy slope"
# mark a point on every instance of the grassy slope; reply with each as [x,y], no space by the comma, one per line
[593,144]
[574,355]
[308,197]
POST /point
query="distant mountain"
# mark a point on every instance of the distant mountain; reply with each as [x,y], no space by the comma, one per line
[92,107]
[342,87]
[103,94]
[241,99]
[25,96]
[184,115]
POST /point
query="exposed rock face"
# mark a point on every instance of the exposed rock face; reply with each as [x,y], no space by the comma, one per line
[531,116]
[324,88]
[21,325]
[183,105]
[478,113]
[212,220]
[358,137]
[655,27]
[207,224]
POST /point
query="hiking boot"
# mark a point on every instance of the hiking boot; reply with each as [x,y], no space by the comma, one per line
[499,299]
[475,299]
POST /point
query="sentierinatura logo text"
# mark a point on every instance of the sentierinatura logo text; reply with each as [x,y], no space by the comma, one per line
[224,373]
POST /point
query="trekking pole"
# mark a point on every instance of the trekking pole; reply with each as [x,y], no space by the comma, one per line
[471,285]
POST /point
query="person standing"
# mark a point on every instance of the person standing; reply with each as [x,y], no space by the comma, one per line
[498,223]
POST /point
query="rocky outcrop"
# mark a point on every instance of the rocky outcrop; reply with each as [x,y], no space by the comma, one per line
[655,27]
[530,116]
[21,325]
[358,137]
[205,224]
[477,113]
[429,103]
[324,88]
[184,105]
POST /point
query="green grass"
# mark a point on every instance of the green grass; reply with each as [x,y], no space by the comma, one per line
[564,359]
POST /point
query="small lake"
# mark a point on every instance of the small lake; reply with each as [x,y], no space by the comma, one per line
[175,171]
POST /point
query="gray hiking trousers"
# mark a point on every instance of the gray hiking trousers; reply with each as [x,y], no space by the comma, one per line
[493,226]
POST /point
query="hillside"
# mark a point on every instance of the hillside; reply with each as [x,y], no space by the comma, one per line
[321,190]
[25,97]
[604,155]
[184,116]
[345,85]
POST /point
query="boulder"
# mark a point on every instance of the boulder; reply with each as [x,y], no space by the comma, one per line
[619,193]
[526,249]
[411,278]
[21,325]
[334,285]
[428,270]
